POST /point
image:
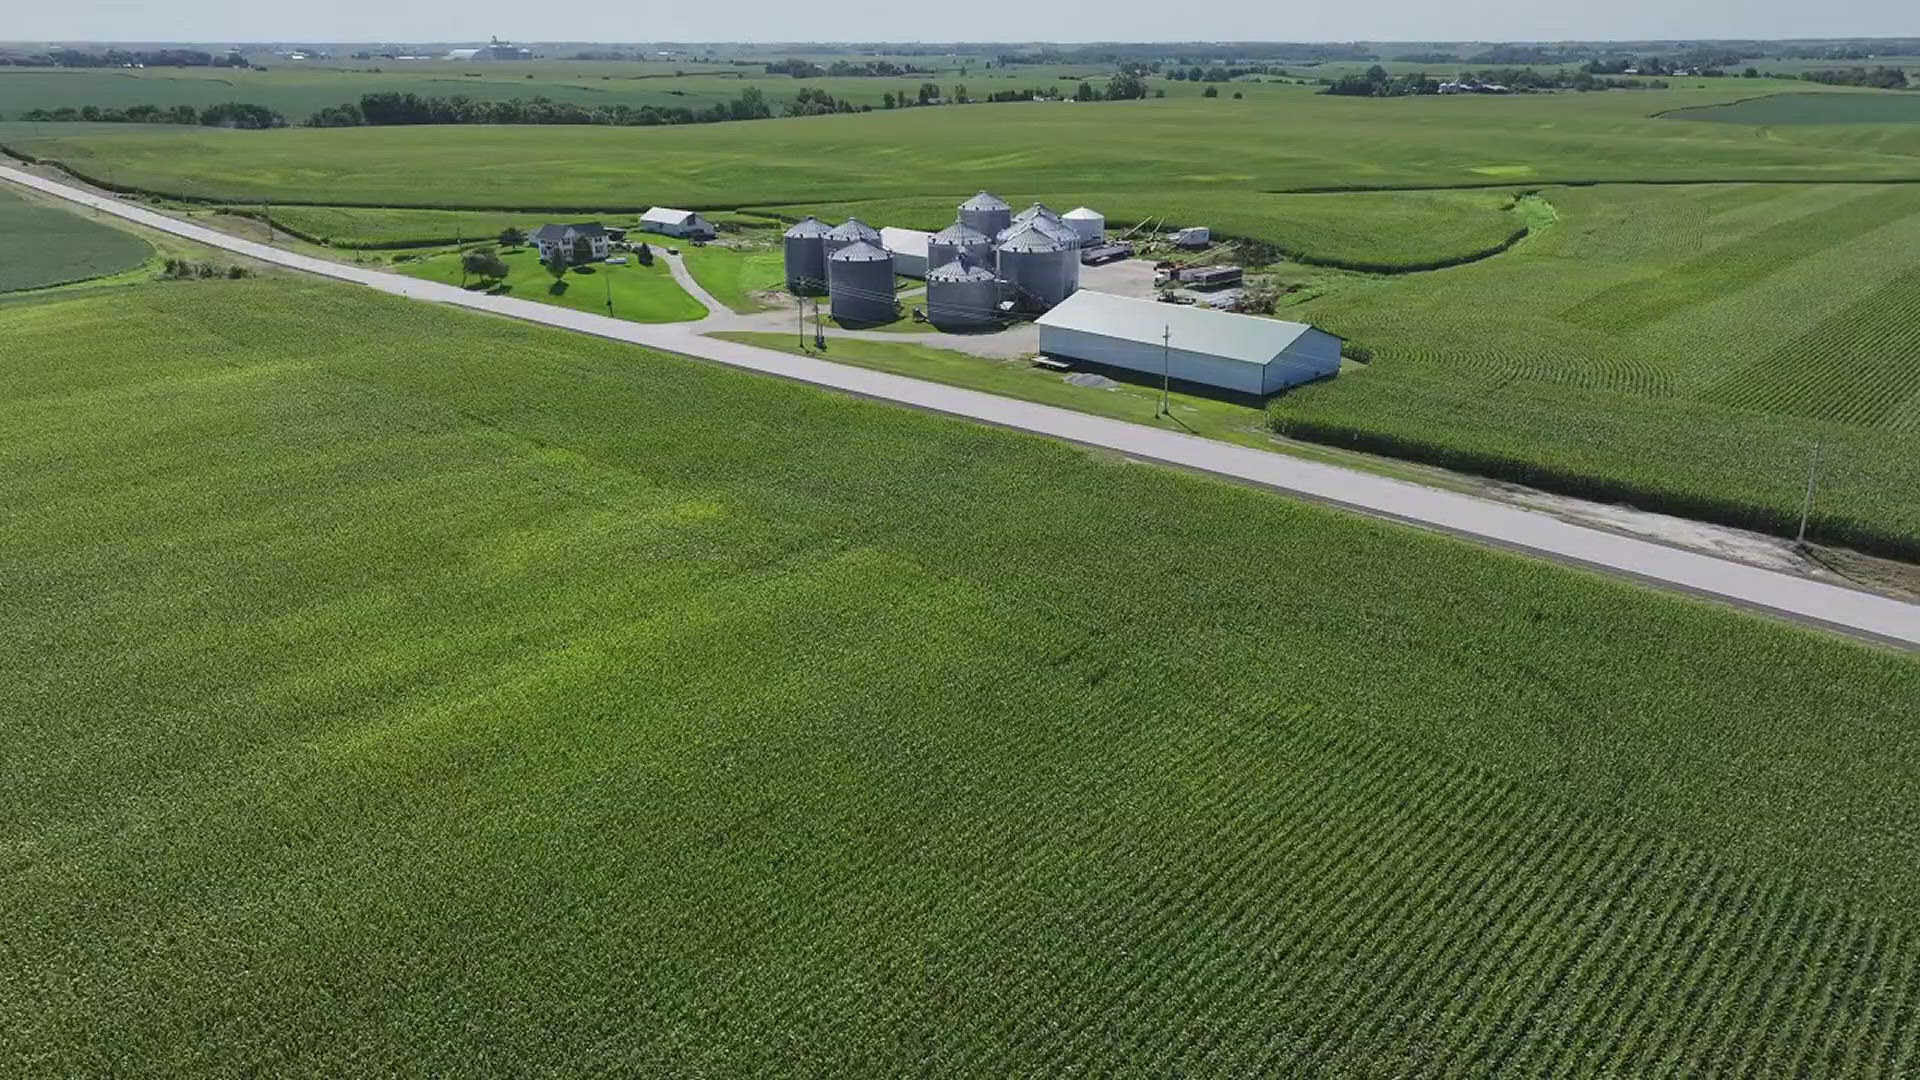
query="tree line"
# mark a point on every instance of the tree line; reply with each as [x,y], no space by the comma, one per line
[76,58]
[1376,82]
[807,69]
[232,114]
[389,108]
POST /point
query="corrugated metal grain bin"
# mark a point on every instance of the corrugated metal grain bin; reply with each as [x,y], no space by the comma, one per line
[860,284]
[960,240]
[851,231]
[806,255]
[986,214]
[962,294]
[1040,269]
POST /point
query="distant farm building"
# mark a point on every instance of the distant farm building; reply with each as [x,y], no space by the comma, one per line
[909,248]
[582,242]
[1243,353]
[494,50]
[683,223]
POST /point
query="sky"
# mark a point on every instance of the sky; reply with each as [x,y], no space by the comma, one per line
[221,21]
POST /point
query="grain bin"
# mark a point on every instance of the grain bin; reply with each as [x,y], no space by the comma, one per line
[1040,269]
[851,231]
[986,214]
[806,251]
[1089,223]
[860,284]
[962,294]
[957,240]
[1036,210]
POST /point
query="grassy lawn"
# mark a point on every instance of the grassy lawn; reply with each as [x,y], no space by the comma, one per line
[462,696]
[734,275]
[42,246]
[639,293]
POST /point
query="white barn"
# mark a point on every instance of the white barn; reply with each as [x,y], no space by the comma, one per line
[671,222]
[1247,354]
[909,248]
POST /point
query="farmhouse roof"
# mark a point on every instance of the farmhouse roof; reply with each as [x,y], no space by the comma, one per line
[550,232]
[1246,338]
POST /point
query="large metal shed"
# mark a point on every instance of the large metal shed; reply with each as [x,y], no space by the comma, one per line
[909,248]
[1247,354]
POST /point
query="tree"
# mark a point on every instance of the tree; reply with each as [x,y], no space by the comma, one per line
[1084,92]
[960,94]
[886,100]
[929,93]
[1126,87]
[643,254]
[1210,91]
[483,263]
[557,266]
[512,237]
[1237,95]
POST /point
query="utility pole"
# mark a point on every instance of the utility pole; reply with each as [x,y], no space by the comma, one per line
[1166,367]
[819,329]
[801,310]
[1806,501]
[607,272]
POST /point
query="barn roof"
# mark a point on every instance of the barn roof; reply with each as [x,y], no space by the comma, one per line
[666,215]
[1247,338]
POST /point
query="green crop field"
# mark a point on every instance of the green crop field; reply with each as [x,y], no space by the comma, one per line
[43,245]
[375,227]
[639,293]
[1863,108]
[1686,347]
[394,689]
[1282,138]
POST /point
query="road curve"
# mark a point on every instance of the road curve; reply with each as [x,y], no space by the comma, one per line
[1848,610]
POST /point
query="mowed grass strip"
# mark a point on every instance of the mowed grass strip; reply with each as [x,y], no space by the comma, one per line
[637,293]
[736,276]
[42,246]
[396,689]
[384,227]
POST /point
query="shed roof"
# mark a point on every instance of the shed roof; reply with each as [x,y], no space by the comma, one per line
[859,251]
[1246,338]
[905,241]
[666,215]
[808,227]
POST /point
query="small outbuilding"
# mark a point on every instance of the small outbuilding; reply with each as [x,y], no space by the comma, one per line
[1246,354]
[909,250]
[683,223]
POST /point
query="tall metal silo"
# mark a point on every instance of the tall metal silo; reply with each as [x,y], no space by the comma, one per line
[851,231]
[860,284]
[1040,269]
[806,251]
[962,294]
[957,240]
[986,214]
[1091,224]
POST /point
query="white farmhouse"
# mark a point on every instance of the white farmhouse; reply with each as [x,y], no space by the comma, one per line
[582,242]
[671,222]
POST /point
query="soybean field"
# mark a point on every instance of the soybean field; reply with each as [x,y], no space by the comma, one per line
[42,246]
[466,696]
[1686,348]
